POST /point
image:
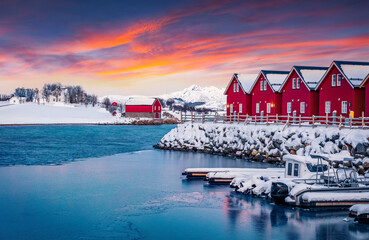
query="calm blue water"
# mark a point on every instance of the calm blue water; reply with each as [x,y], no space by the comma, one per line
[141,195]
[45,145]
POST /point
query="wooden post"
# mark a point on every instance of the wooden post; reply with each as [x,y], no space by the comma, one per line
[223,118]
[350,122]
[255,120]
[300,120]
[185,117]
[238,118]
[215,117]
[203,117]
[246,119]
[276,119]
[340,125]
[267,123]
[191,117]
[313,121]
[326,120]
[181,118]
[362,121]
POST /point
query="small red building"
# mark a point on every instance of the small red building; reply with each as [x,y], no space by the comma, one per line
[365,85]
[238,95]
[115,104]
[266,98]
[339,89]
[298,91]
[143,108]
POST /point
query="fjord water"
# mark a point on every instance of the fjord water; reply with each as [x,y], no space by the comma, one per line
[138,193]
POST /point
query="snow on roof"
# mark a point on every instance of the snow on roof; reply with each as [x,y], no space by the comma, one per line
[275,78]
[354,71]
[140,101]
[360,209]
[246,81]
[311,75]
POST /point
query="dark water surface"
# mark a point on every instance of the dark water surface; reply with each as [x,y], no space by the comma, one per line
[141,195]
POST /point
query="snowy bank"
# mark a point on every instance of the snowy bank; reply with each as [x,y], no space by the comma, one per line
[268,143]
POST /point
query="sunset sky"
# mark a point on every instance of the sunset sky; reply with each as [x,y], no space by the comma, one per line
[154,47]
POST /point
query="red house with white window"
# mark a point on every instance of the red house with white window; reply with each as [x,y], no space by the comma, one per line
[238,94]
[266,98]
[365,85]
[339,89]
[299,96]
[143,108]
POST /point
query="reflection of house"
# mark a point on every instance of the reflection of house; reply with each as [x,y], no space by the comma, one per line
[143,108]
[17,100]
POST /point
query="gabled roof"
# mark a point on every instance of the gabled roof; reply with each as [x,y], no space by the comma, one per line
[365,81]
[146,101]
[274,79]
[245,81]
[354,72]
[309,75]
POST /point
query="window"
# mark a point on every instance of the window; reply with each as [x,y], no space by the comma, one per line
[268,107]
[257,108]
[333,80]
[231,109]
[261,85]
[328,107]
[240,108]
[289,169]
[234,87]
[238,87]
[289,107]
[298,83]
[293,83]
[159,108]
[265,85]
[302,107]
[338,80]
[344,107]
[295,170]
[154,107]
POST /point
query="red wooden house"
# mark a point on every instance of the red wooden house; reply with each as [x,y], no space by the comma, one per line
[365,85]
[238,94]
[339,89]
[299,96]
[266,98]
[143,108]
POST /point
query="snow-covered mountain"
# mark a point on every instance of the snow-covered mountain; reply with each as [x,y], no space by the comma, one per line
[199,97]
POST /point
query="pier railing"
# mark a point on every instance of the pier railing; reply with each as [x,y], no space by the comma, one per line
[289,120]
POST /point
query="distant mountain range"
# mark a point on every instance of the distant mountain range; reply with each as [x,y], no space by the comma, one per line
[193,96]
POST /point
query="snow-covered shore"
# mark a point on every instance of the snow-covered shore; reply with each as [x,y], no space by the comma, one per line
[268,143]
[59,113]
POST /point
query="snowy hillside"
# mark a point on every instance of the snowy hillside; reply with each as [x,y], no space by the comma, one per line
[201,97]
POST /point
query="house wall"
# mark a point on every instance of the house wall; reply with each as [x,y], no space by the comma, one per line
[157,109]
[296,96]
[336,95]
[367,99]
[265,97]
[237,98]
[359,101]
[139,108]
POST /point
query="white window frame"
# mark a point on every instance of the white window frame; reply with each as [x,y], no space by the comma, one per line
[334,80]
[265,85]
[293,83]
[302,107]
[159,108]
[154,108]
[234,87]
[257,107]
[240,108]
[327,107]
[339,78]
[344,107]
[231,108]
[238,87]
[289,107]
[297,83]
[268,108]
[261,85]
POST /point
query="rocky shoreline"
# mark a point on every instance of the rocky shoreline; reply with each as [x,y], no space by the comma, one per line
[268,143]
